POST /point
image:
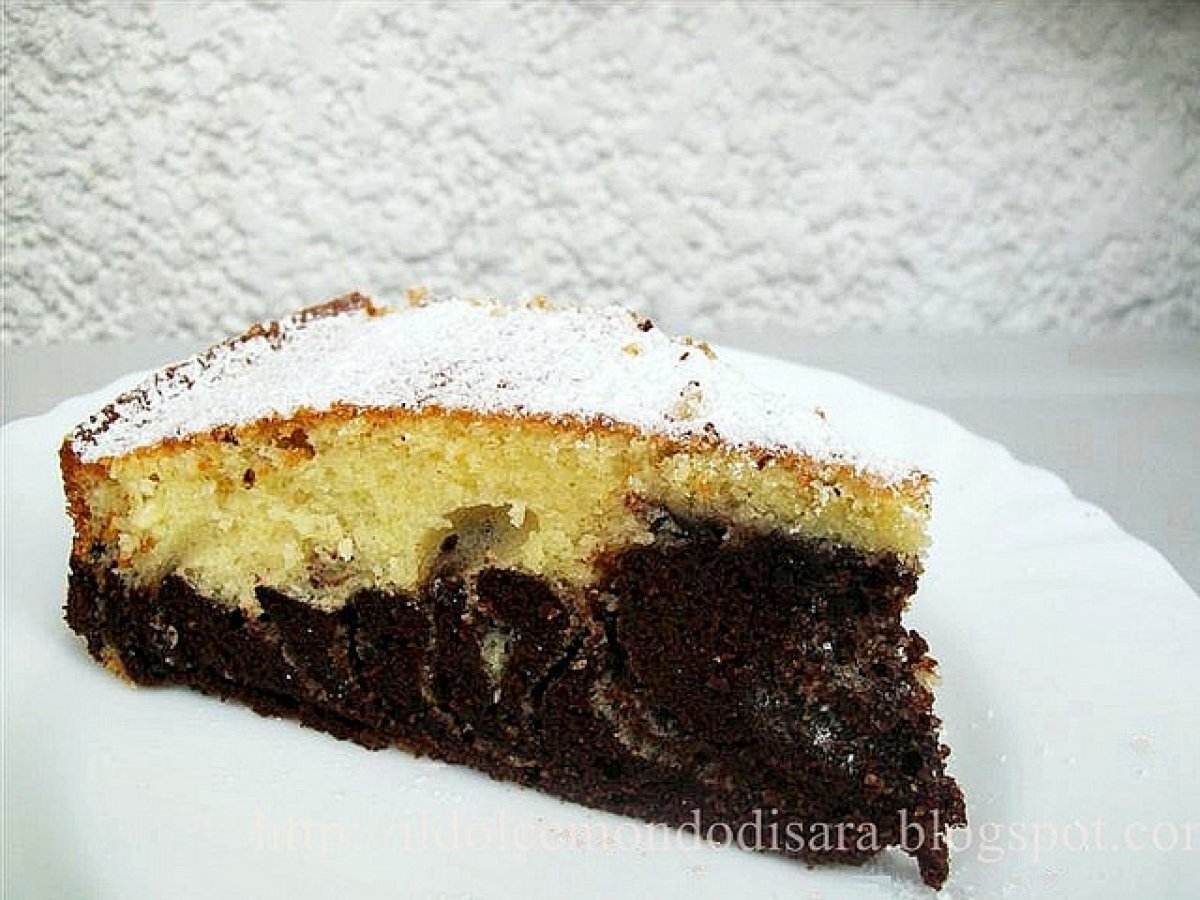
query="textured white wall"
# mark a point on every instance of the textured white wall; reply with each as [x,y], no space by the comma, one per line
[181,168]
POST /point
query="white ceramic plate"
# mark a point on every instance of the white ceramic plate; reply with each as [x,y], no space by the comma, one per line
[1070,654]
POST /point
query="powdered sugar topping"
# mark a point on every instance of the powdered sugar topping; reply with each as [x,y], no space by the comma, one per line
[477,356]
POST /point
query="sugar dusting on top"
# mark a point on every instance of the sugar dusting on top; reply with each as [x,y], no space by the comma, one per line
[466,355]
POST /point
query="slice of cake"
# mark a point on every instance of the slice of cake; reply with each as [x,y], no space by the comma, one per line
[553,544]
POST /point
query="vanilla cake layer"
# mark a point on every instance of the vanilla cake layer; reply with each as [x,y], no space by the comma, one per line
[324,505]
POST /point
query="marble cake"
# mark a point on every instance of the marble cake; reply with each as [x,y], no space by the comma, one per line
[553,544]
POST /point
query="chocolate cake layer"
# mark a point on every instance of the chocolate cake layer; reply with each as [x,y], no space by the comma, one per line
[710,677]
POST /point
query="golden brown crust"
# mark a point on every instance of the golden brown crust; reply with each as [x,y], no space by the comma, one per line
[73,474]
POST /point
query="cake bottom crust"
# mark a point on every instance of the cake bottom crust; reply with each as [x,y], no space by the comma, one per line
[708,679]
